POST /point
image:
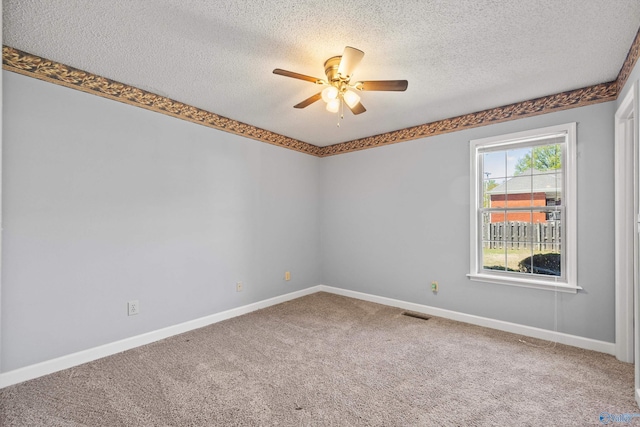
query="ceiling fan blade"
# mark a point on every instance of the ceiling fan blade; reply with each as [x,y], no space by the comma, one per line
[358,108]
[350,60]
[383,85]
[309,101]
[297,76]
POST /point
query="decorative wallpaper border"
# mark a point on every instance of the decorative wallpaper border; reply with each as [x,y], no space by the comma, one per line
[562,101]
[43,69]
[629,62]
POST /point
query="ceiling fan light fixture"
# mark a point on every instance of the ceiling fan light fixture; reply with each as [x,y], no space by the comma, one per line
[337,88]
[333,106]
[329,93]
[351,98]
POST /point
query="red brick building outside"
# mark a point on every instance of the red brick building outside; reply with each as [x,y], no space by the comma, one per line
[519,200]
[530,190]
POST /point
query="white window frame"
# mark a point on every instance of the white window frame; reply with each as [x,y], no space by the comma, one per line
[568,281]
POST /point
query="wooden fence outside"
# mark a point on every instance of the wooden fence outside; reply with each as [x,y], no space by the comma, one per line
[544,236]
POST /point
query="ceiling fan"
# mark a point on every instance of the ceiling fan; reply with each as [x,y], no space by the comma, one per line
[339,88]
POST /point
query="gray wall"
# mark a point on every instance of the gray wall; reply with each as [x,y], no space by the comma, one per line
[395,218]
[104,203]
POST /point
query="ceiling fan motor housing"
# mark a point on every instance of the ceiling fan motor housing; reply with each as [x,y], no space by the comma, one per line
[331,70]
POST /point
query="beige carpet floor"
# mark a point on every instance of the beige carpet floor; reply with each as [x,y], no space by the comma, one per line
[328,360]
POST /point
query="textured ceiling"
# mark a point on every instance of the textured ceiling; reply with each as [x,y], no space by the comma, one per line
[459,56]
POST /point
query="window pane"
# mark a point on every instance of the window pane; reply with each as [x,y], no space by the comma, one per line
[519,161]
[494,194]
[493,227]
[516,254]
[547,263]
[493,175]
[494,165]
[493,257]
[550,183]
[493,250]
[546,233]
[547,157]
[519,229]
[484,223]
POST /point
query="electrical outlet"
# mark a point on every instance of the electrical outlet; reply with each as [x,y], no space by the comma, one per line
[239,287]
[287,275]
[434,286]
[133,307]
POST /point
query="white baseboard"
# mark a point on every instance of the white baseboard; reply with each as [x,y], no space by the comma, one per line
[75,359]
[559,337]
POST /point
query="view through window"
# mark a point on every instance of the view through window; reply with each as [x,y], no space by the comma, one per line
[522,208]
[520,213]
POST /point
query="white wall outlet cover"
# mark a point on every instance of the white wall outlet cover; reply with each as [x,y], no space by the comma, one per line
[133,307]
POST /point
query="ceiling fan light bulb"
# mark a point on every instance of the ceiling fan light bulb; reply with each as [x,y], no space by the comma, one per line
[351,98]
[329,93]
[333,105]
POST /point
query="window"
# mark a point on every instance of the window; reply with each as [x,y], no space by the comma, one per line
[523,209]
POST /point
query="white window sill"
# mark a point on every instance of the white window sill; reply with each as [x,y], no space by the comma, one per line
[524,283]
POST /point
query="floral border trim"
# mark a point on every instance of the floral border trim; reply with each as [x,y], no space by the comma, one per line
[562,101]
[629,62]
[43,69]
[53,72]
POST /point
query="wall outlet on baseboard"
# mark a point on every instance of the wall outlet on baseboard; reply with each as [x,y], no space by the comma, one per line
[434,286]
[239,287]
[287,275]
[133,307]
